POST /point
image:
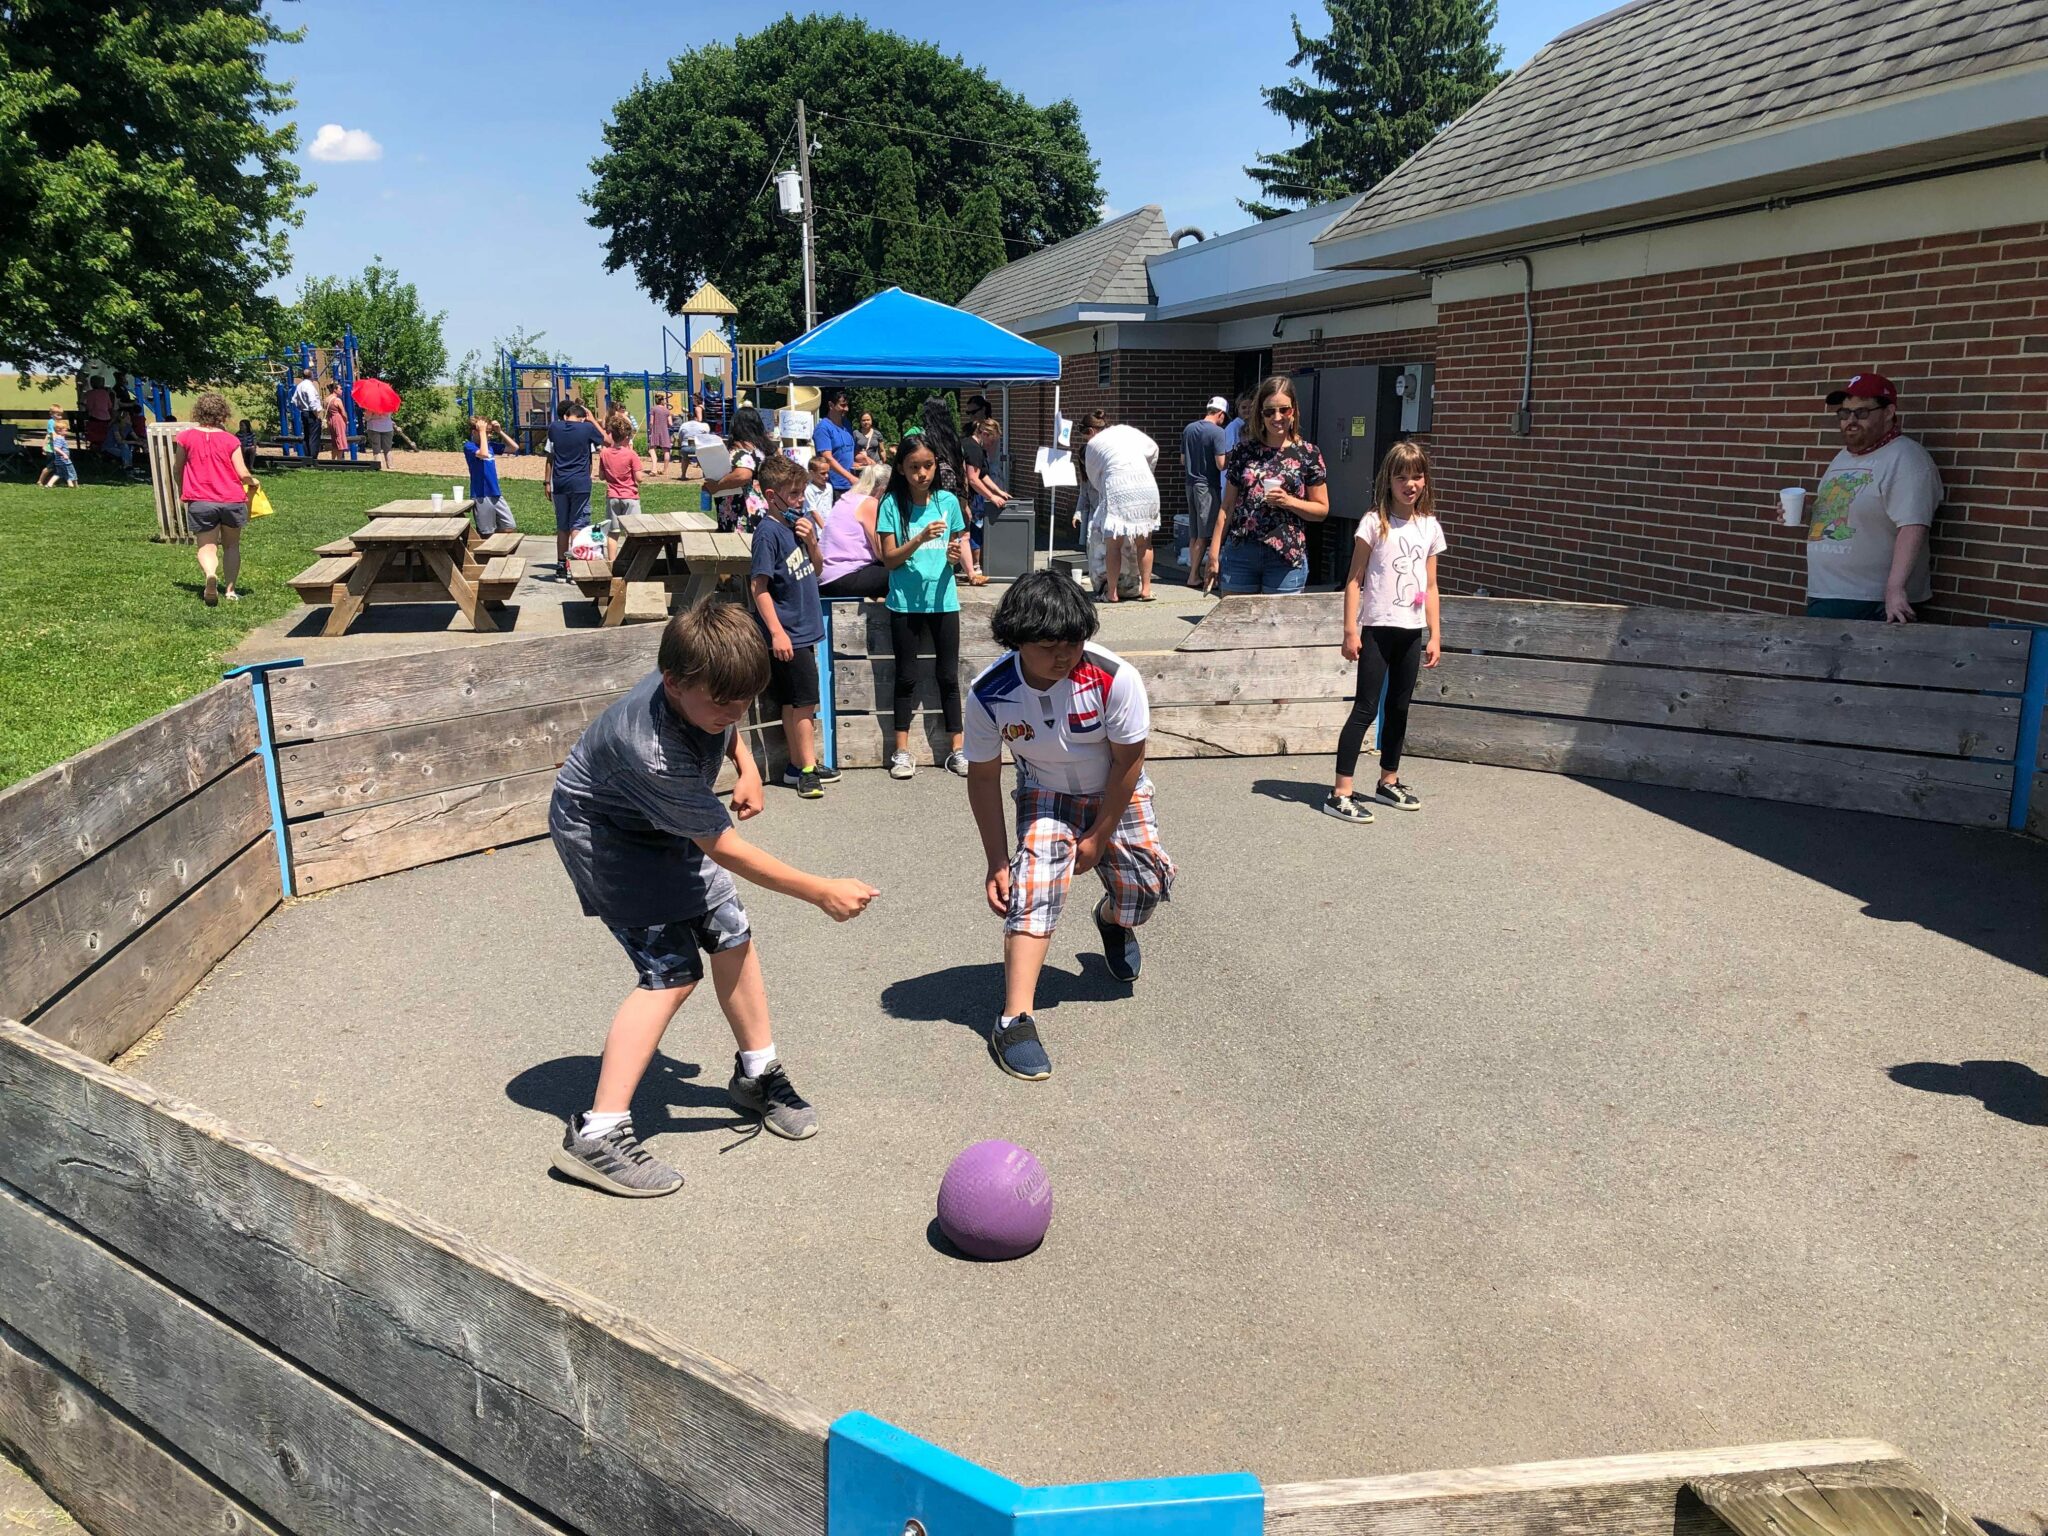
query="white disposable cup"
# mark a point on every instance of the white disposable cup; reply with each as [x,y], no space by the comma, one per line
[437,501]
[455,493]
[1792,505]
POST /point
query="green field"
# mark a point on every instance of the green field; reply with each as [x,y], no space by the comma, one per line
[101,628]
[20,394]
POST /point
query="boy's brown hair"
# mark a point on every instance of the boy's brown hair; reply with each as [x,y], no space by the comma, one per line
[619,429]
[716,646]
[780,474]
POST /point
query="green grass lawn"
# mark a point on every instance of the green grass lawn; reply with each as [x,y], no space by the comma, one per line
[100,628]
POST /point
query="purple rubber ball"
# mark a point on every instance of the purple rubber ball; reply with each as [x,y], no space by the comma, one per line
[995,1201]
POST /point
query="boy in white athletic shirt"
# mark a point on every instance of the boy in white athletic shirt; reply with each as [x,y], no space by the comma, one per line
[1075,718]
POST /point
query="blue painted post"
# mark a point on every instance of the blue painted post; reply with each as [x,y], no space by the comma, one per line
[828,716]
[884,1481]
[258,674]
[2026,755]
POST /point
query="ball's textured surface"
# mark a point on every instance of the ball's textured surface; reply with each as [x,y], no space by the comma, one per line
[995,1201]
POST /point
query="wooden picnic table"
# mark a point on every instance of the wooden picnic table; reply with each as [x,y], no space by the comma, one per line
[410,559]
[682,552]
[423,506]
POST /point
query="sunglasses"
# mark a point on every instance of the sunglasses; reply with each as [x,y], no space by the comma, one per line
[1278,410]
[1858,413]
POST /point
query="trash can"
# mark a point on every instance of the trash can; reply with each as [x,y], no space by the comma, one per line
[1006,536]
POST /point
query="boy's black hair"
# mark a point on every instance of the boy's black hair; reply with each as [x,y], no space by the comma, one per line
[1044,607]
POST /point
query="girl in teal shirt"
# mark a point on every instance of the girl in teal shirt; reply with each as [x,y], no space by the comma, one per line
[918,527]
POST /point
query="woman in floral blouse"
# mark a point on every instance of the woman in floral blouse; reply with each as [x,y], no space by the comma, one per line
[1273,483]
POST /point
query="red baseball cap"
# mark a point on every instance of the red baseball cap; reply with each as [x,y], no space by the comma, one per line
[1867,386]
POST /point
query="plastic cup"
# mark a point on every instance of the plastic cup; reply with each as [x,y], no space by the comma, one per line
[455,493]
[1792,505]
[437,501]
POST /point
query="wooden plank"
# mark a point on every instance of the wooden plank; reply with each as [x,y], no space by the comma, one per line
[1249,730]
[654,525]
[115,1478]
[403,834]
[370,767]
[591,1415]
[296,1449]
[116,1004]
[1884,1500]
[418,532]
[423,506]
[869,683]
[1916,655]
[344,696]
[71,926]
[54,822]
[1847,714]
[1607,1496]
[1847,778]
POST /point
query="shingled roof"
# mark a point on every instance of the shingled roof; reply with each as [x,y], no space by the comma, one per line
[1103,265]
[1659,78]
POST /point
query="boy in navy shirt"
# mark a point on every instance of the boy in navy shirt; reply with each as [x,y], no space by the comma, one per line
[784,592]
[566,475]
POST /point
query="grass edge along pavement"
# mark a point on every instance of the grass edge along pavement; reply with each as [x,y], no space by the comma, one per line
[101,627]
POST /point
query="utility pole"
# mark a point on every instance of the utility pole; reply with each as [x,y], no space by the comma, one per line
[803,171]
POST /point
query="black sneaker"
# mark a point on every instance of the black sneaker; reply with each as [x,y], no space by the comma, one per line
[1119,947]
[1347,808]
[1398,795]
[774,1098]
[826,773]
[808,787]
[1017,1050]
[615,1163]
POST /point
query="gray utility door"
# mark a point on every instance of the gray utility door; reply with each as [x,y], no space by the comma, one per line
[1347,429]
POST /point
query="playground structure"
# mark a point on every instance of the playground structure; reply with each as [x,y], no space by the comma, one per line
[528,393]
[339,363]
[194,1319]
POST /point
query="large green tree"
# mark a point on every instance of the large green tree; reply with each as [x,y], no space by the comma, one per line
[906,137]
[396,338]
[146,181]
[1387,78]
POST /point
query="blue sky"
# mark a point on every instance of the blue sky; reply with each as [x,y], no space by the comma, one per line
[484,119]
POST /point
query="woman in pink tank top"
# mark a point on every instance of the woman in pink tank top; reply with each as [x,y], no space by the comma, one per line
[214,483]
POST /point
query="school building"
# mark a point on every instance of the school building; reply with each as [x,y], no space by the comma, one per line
[1611,297]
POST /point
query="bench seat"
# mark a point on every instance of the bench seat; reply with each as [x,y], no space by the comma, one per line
[336,549]
[497,544]
[500,577]
[316,583]
[593,576]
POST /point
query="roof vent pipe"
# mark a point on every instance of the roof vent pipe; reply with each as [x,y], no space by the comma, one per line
[1182,233]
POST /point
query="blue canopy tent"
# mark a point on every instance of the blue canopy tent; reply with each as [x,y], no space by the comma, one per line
[899,338]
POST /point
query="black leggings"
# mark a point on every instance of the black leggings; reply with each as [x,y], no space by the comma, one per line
[944,630]
[1394,657]
[866,581]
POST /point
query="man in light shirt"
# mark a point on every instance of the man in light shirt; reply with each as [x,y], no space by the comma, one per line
[1868,526]
[306,396]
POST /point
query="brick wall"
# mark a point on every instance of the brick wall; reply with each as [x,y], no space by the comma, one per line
[1668,410]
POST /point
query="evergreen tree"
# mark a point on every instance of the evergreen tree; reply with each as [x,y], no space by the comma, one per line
[907,253]
[975,243]
[1388,77]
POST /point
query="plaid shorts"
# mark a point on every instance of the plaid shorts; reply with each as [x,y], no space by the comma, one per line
[1135,869]
[667,955]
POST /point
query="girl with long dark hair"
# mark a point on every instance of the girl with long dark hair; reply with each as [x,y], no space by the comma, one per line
[916,523]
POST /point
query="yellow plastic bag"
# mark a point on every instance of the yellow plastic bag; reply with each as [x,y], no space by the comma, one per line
[259,504]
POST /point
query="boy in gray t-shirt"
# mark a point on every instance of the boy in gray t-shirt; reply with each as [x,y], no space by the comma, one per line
[652,853]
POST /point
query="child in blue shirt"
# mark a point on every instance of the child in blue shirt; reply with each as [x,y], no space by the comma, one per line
[57,447]
[918,525]
[784,591]
[493,512]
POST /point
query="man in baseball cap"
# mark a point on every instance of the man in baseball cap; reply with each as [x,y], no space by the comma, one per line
[1202,448]
[1868,527]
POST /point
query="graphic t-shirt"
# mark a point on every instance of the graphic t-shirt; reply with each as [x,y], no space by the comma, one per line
[779,555]
[1258,471]
[1059,738]
[829,437]
[924,582]
[620,468]
[570,445]
[629,804]
[1397,575]
[1201,444]
[1864,500]
[483,471]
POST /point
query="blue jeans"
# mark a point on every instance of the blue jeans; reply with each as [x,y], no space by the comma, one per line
[1249,566]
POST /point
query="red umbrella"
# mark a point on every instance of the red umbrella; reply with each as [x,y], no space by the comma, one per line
[375,396]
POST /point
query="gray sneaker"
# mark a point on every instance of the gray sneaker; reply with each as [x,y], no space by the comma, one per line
[956,763]
[774,1098]
[615,1163]
[901,767]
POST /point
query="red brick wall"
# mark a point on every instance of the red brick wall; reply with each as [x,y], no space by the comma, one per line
[1669,409]
[1410,346]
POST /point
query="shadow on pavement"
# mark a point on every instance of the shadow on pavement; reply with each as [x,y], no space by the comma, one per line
[1295,791]
[2010,1089]
[563,1087]
[1983,888]
[972,995]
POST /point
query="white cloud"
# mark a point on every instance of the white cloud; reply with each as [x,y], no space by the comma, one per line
[1105,213]
[334,144]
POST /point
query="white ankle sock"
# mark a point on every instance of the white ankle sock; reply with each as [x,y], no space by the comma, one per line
[1009,1019]
[596,1125]
[754,1063]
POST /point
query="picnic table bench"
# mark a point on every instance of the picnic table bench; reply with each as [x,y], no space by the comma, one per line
[412,558]
[681,552]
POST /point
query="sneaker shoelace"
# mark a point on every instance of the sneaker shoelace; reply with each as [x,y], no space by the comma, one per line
[625,1144]
[776,1086]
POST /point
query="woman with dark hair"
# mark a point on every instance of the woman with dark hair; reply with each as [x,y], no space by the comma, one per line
[937,421]
[867,442]
[1273,483]
[739,501]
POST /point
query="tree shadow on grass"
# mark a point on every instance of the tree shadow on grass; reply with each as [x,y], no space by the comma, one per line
[2011,1090]
[972,995]
[564,1086]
